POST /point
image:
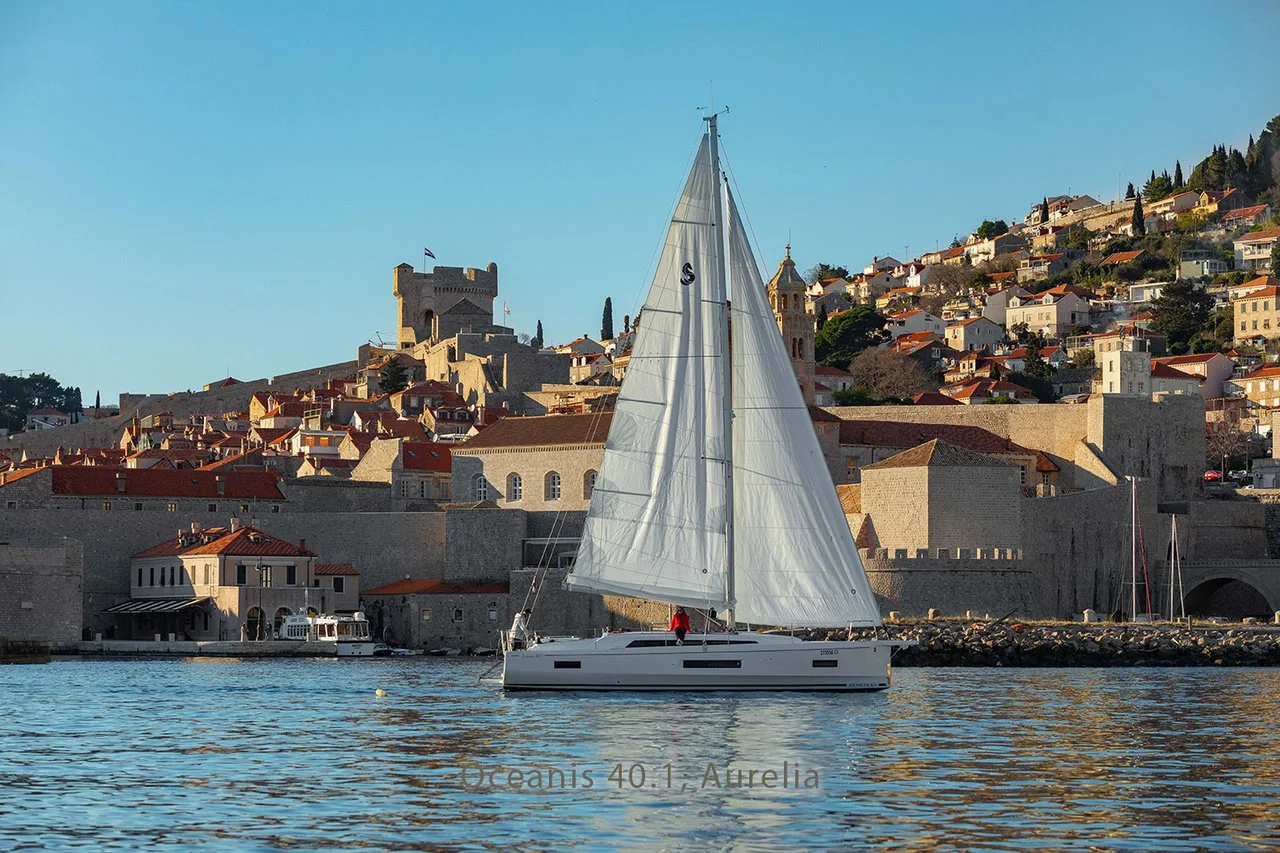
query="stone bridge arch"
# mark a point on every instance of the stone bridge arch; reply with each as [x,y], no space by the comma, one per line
[1232,588]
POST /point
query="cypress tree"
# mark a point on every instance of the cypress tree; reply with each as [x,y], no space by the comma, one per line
[606,320]
[1139,226]
[1044,210]
[1128,194]
[97,401]
[1177,175]
[822,314]
[537,339]
[1153,174]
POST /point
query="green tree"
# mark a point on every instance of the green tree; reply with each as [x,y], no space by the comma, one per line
[97,401]
[1033,364]
[822,314]
[844,336]
[1275,258]
[537,339]
[393,377]
[1158,187]
[606,320]
[1020,332]
[989,229]
[1139,223]
[822,272]
[1177,175]
[1180,312]
[1041,387]
[1044,210]
[1083,358]
[20,394]
[1128,194]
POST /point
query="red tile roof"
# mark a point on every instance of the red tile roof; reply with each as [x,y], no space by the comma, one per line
[423,586]
[1121,257]
[426,456]
[542,431]
[1164,371]
[334,569]
[165,483]
[1244,212]
[1263,285]
[933,398]
[1259,236]
[245,542]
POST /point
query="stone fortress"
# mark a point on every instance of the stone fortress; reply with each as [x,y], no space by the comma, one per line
[1020,509]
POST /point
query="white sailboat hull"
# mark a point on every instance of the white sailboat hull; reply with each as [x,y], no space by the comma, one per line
[712,662]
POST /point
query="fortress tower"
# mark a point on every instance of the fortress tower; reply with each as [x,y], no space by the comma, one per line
[786,294]
[443,302]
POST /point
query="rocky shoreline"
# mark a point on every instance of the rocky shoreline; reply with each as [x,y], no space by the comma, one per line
[946,643]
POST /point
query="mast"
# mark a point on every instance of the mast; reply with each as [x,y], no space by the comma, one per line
[1133,537]
[727,368]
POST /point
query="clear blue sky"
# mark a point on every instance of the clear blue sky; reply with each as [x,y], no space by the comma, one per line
[191,189]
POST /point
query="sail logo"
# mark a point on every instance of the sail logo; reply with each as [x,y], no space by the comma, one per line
[686,274]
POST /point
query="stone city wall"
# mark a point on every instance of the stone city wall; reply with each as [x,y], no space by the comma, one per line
[41,590]
[383,547]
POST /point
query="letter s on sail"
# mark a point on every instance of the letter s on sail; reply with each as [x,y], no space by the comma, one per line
[686,274]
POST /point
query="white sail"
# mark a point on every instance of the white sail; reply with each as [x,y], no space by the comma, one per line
[656,527]
[795,559]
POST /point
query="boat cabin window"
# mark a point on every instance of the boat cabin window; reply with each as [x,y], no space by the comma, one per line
[648,644]
[568,664]
[821,662]
[713,664]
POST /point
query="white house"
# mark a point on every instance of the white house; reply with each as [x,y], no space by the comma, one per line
[1052,313]
[974,334]
[1253,250]
[916,320]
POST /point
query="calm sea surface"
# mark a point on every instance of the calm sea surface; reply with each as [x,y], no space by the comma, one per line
[298,755]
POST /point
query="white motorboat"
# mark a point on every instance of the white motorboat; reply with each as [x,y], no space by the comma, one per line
[713,492]
[349,634]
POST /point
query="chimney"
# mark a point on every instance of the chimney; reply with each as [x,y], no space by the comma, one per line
[302,543]
[120,482]
[235,524]
[220,483]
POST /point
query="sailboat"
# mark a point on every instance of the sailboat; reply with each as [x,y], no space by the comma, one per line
[713,492]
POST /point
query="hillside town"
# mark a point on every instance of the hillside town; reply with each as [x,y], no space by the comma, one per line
[998,415]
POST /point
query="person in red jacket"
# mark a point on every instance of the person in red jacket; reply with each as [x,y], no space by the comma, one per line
[679,624]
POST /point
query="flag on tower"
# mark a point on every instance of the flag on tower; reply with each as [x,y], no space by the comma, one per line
[506,309]
[429,253]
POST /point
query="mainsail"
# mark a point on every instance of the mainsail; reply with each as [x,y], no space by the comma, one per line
[657,524]
[795,559]
[656,527]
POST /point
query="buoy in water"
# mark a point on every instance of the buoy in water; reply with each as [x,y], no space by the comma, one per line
[379,692]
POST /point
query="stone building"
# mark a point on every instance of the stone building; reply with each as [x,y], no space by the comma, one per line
[440,304]
[786,293]
[546,463]
[228,583]
[938,495]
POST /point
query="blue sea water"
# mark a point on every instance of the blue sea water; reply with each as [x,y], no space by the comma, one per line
[223,754]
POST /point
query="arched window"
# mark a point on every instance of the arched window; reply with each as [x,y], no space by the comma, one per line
[799,347]
[515,488]
[479,488]
[795,302]
[782,302]
[588,484]
[553,486]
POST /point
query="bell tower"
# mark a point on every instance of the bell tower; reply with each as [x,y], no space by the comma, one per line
[787,297]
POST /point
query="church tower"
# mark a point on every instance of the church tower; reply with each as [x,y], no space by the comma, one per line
[786,294]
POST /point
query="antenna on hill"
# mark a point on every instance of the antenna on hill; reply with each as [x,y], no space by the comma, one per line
[380,343]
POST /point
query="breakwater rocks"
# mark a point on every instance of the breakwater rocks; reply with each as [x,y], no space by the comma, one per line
[1077,645]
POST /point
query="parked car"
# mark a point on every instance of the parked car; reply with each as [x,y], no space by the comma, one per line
[1239,476]
[1212,476]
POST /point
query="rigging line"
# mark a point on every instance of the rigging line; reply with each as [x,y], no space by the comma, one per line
[742,205]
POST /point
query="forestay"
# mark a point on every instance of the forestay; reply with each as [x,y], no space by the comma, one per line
[795,559]
[655,528]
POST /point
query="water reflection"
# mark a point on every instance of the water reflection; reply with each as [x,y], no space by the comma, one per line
[164,754]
